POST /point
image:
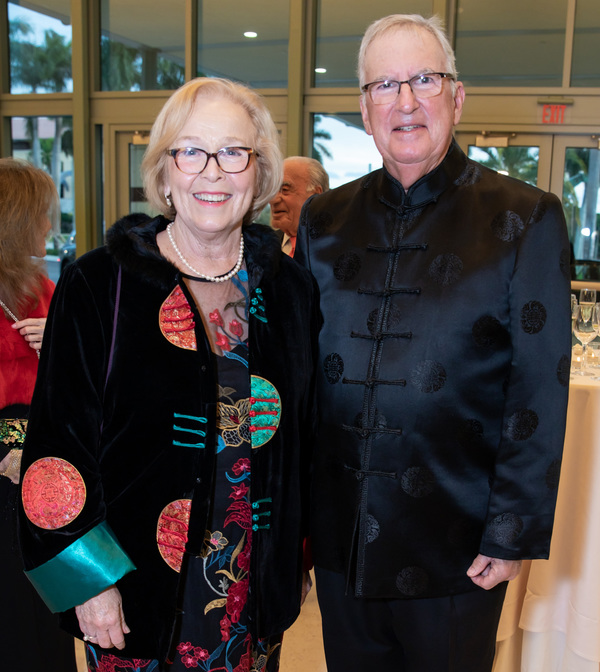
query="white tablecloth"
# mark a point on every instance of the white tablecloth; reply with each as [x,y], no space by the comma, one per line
[551,617]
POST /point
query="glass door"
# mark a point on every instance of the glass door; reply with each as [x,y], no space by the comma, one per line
[130,148]
[525,156]
[575,176]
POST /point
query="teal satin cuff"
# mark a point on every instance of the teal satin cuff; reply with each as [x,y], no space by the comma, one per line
[87,567]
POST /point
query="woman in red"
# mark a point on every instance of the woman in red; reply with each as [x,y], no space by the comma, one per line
[29,636]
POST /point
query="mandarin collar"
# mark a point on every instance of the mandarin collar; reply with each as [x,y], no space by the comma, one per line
[428,188]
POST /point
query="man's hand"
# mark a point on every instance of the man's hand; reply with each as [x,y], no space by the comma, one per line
[102,621]
[489,572]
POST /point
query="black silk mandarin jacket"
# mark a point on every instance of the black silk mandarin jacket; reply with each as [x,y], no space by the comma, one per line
[443,378]
[128,419]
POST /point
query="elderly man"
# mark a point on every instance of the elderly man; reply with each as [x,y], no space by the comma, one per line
[302,177]
[444,375]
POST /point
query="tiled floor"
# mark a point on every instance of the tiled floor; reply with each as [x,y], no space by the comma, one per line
[302,644]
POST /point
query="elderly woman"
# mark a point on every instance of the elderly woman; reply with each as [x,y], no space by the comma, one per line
[28,202]
[163,501]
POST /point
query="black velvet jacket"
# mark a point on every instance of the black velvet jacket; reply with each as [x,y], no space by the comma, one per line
[443,378]
[127,427]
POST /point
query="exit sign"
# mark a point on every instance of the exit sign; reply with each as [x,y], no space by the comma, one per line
[553,113]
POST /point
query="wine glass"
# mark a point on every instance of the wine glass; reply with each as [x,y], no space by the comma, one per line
[583,328]
[587,299]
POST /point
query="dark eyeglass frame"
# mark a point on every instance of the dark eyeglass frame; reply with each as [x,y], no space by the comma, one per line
[444,75]
[249,151]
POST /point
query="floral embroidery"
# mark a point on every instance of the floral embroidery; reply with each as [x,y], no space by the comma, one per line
[230,336]
[213,542]
[233,419]
[108,662]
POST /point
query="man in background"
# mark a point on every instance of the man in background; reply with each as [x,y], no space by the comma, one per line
[302,177]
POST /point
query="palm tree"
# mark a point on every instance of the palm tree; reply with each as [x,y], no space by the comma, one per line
[319,135]
[518,162]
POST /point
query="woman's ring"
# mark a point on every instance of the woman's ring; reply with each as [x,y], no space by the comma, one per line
[88,638]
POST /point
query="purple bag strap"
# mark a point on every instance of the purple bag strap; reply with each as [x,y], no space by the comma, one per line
[114,329]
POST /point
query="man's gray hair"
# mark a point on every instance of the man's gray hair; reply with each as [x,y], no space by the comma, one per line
[433,25]
[317,175]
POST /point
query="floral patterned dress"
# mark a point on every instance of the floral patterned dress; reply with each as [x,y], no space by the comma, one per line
[211,634]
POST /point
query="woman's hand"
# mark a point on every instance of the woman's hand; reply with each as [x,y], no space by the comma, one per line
[32,330]
[10,466]
[102,621]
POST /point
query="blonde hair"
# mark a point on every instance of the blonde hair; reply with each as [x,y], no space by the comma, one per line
[27,196]
[175,113]
[433,25]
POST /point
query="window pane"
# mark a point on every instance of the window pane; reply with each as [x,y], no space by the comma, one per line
[137,199]
[340,29]
[142,44]
[47,142]
[518,162]
[510,43]
[581,206]
[225,51]
[586,45]
[40,47]
[341,144]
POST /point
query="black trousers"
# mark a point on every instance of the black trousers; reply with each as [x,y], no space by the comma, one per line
[447,634]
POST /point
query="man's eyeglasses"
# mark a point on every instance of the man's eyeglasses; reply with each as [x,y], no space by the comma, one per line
[426,85]
[192,160]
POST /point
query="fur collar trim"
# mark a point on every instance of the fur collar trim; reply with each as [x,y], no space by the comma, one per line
[131,241]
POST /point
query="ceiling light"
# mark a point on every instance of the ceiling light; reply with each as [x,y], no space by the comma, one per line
[321,71]
[250,33]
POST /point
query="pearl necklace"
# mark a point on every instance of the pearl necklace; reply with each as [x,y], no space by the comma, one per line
[211,278]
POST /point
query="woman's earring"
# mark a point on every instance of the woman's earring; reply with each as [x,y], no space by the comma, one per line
[168,200]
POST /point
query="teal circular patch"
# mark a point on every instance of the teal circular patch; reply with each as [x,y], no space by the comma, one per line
[265,410]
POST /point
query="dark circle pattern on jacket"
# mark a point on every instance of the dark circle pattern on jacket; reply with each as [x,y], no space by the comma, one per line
[505,529]
[507,226]
[346,266]
[333,366]
[412,581]
[320,225]
[522,424]
[563,370]
[428,376]
[372,531]
[470,434]
[553,475]
[533,317]
[417,482]
[393,319]
[445,269]
[488,332]
[470,176]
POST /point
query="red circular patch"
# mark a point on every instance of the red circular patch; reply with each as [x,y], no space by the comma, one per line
[172,532]
[53,493]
